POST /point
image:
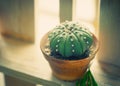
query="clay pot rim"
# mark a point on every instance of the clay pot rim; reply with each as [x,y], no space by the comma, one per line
[96,42]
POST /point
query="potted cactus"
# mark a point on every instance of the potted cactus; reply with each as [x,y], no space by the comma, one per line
[69,48]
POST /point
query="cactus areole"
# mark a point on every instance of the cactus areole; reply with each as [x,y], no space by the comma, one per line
[70,40]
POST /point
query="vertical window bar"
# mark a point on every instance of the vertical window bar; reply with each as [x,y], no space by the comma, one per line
[65,9]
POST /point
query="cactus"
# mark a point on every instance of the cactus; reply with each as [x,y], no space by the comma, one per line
[70,39]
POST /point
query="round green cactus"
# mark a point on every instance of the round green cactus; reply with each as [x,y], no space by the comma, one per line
[70,39]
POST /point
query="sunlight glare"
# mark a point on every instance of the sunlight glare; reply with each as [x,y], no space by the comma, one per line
[86,10]
[46,16]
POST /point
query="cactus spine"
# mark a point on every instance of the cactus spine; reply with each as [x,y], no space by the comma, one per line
[70,39]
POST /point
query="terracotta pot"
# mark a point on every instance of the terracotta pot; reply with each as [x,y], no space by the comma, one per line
[68,69]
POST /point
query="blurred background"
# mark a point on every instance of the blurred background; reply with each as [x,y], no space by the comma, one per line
[29,20]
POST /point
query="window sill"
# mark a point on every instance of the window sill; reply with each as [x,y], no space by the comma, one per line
[25,61]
